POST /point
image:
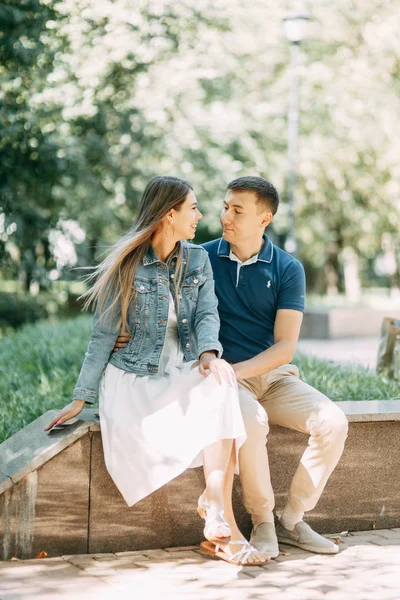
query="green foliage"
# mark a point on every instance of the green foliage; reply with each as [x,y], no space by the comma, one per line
[40,365]
[16,310]
[346,382]
[29,166]
[94,101]
[39,368]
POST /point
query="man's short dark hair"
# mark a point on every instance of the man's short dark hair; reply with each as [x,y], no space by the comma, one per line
[266,193]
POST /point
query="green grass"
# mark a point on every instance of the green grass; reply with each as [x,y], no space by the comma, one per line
[352,382]
[40,365]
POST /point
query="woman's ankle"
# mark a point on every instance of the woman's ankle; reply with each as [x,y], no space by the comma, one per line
[213,500]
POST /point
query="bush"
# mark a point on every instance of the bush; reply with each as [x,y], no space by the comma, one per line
[17,310]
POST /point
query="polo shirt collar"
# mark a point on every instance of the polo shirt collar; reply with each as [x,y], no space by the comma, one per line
[266,254]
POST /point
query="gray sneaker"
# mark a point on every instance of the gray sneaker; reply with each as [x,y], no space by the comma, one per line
[263,538]
[304,537]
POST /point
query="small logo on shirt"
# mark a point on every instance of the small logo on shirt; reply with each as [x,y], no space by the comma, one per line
[269,284]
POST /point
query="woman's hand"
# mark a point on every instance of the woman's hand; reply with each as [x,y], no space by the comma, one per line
[218,366]
[70,411]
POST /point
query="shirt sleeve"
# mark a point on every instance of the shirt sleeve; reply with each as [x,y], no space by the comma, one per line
[292,289]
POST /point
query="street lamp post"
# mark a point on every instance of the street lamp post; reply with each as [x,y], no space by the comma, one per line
[295,26]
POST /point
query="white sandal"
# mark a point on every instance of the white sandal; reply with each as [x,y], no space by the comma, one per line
[219,520]
[240,558]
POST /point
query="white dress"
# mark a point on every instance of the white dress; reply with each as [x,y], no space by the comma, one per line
[153,428]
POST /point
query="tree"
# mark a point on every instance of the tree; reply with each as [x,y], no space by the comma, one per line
[100,96]
[29,166]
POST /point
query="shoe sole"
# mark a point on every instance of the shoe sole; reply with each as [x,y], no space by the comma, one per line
[306,547]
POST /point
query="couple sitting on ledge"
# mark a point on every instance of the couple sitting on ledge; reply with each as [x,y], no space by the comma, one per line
[191,353]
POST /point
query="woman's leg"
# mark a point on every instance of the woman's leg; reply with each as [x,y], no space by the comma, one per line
[228,487]
[216,458]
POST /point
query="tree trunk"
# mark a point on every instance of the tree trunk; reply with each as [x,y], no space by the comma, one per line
[92,249]
[352,283]
[331,269]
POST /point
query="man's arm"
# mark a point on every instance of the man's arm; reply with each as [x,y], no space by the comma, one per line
[286,334]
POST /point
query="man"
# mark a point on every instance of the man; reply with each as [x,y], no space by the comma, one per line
[260,290]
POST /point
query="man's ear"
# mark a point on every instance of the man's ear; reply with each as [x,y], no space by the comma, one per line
[267,218]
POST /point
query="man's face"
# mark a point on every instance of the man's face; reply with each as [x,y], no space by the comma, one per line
[243,218]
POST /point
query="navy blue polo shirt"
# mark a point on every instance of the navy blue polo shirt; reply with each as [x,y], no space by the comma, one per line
[250,293]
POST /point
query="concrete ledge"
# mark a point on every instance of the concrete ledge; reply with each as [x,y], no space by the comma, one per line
[31,447]
[364,411]
[330,323]
[56,494]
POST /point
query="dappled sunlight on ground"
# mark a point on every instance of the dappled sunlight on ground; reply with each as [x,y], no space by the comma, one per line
[366,567]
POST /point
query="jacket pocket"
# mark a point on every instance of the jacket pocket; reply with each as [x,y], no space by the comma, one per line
[145,292]
[191,284]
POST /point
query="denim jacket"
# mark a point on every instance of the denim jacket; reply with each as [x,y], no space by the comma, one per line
[198,321]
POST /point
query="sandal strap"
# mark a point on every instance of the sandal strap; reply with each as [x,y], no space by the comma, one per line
[218,519]
[243,554]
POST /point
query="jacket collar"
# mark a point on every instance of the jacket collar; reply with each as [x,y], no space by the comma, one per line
[265,255]
[151,257]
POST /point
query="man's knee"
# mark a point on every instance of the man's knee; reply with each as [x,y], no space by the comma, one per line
[332,422]
[254,416]
[340,424]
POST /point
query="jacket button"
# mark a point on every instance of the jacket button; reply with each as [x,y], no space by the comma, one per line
[188,345]
[196,280]
[184,320]
[142,287]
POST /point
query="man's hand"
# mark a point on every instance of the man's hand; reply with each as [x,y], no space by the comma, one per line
[70,411]
[220,368]
[122,341]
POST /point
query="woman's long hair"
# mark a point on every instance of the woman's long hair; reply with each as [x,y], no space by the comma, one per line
[115,274]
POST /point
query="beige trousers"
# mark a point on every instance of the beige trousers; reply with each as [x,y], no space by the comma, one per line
[280,397]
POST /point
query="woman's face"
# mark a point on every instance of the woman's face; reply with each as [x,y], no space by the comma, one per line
[186,218]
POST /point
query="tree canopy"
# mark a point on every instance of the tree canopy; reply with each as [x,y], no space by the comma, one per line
[98,96]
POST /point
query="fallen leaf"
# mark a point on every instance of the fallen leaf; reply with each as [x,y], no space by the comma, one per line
[14,558]
[373,525]
[285,553]
[42,554]
[334,536]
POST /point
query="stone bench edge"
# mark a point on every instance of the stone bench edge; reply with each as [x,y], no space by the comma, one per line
[16,464]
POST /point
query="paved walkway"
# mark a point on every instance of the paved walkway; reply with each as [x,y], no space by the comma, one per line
[366,568]
[362,351]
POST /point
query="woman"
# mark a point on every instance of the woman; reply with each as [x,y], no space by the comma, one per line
[160,413]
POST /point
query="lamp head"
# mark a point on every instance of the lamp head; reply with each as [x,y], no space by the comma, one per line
[295,27]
